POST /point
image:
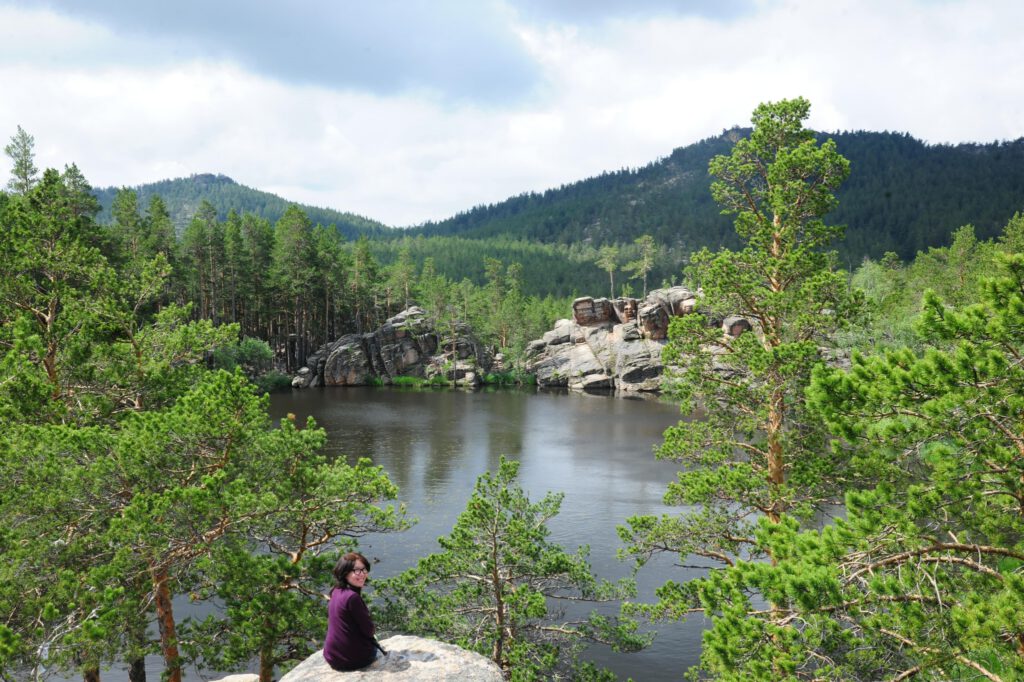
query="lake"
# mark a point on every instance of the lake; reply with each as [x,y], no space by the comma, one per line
[596,449]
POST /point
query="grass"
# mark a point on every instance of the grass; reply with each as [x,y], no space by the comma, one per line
[513,378]
[408,382]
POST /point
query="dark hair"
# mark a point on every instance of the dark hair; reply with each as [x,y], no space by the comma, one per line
[346,564]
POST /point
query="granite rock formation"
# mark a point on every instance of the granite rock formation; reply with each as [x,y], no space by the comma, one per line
[407,344]
[609,344]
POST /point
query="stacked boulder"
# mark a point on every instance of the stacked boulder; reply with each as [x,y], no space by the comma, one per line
[609,344]
[407,344]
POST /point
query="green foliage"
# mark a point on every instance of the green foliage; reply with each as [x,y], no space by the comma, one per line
[645,262]
[23,171]
[608,260]
[408,382]
[505,378]
[130,472]
[252,355]
[894,291]
[750,452]
[273,381]
[496,585]
[922,576]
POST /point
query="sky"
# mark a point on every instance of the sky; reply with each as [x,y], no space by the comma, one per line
[414,110]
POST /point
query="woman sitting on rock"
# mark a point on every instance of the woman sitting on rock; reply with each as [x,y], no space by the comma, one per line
[350,643]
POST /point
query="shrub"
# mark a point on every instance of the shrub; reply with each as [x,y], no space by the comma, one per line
[272,381]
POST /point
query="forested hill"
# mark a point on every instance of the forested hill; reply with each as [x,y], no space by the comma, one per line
[183,196]
[902,195]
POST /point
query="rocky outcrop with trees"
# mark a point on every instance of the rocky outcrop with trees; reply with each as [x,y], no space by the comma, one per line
[407,344]
[609,344]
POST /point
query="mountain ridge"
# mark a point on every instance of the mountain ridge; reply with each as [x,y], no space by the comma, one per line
[903,195]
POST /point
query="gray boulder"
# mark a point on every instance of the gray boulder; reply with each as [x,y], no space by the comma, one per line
[562,333]
[409,659]
[638,365]
[346,363]
[551,367]
[734,325]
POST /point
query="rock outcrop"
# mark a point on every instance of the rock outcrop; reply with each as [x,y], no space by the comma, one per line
[408,344]
[609,344]
[409,659]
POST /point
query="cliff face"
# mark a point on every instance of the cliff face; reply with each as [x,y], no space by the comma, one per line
[405,345]
[609,344]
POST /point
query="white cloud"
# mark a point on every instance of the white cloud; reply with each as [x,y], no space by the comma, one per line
[615,93]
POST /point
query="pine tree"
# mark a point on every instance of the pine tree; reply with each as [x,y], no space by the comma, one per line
[23,171]
[923,577]
[608,260]
[496,586]
[749,448]
[644,263]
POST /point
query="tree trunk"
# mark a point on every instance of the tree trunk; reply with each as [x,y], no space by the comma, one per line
[91,674]
[266,665]
[498,652]
[776,472]
[137,669]
[165,623]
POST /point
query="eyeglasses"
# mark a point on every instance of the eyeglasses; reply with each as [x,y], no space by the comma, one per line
[364,571]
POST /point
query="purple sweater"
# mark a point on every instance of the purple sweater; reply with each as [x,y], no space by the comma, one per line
[349,643]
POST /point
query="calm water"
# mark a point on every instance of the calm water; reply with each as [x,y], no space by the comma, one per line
[595,449]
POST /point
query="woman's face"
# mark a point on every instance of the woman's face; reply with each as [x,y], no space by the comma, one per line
[357,576]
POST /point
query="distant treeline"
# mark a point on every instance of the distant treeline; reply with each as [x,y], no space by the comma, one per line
[903,196]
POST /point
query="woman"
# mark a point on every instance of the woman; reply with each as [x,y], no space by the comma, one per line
[350,644]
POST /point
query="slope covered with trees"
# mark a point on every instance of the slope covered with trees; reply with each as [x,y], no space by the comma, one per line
[904,196]
[184,196]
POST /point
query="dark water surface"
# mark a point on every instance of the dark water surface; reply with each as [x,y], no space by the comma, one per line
[596,449]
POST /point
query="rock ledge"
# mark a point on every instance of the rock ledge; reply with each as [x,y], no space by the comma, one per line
[410,659]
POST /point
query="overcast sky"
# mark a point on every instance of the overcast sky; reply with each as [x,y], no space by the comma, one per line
[406,111]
